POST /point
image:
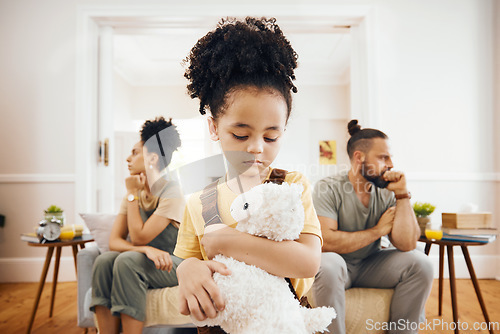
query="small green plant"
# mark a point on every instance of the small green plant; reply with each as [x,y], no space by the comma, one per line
[53,209]
[423,210]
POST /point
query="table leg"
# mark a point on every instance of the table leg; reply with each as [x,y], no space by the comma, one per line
[441,264]
[476,285]
[453,289]
[75,251]
[54,281]
[427,248]
[48,258]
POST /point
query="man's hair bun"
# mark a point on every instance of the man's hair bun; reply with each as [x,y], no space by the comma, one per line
[361,138]
[353,127]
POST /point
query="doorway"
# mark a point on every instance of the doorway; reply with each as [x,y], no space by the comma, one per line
[335,33]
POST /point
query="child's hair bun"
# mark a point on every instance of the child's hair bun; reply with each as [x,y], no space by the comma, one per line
[353,127]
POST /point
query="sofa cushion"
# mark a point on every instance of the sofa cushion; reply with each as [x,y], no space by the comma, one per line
[364,308]
[99,225]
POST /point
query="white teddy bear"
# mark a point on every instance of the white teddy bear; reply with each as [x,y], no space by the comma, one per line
[256,301]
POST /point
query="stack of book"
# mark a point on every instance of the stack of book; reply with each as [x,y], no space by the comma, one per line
[474,227]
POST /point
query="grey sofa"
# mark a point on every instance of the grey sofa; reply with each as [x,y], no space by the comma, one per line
[85,261]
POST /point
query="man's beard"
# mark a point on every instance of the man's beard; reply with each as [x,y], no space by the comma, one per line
[377,180]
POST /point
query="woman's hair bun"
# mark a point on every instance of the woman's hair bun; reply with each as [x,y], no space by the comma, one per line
[353,127]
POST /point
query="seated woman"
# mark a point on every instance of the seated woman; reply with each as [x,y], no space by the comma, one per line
[143,236]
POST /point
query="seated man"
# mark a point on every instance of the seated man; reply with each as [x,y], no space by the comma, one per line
[355,209]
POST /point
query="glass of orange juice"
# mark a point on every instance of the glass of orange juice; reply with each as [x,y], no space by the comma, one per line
[67,232]
[433,231]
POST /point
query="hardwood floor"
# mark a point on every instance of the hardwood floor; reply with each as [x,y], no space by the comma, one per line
[469,310]
[16,304]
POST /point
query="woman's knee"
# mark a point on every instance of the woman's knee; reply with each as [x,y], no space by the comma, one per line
[128,262]
[104,263]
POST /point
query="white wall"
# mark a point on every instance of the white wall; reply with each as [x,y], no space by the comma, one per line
[169,101]
[122,104]
[435,85]
[319,113]
[435,96]
[497,116]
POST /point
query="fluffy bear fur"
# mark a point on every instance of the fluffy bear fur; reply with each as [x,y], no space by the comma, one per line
[256,301]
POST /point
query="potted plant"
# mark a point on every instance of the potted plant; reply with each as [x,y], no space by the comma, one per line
[422,211]
[54,211]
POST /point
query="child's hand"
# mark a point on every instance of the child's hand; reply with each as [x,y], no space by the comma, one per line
[214,238]
[199,295]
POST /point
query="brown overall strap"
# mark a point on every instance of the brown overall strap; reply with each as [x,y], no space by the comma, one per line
[210,330]
[209,208]
[277,176]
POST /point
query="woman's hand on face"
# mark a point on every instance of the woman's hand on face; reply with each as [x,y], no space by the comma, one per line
[199,295]
[134,183]
[214,237]
[162,259]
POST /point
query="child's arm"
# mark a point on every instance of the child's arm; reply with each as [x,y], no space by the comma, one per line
[296,259]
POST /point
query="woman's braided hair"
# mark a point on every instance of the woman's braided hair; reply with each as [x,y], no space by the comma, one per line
[237,54]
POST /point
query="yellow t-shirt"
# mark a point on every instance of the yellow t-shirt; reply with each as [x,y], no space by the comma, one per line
[192,227]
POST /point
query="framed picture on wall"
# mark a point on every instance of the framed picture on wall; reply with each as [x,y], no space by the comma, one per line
[327,152]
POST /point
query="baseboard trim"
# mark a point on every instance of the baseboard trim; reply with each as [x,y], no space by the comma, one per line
[15,270]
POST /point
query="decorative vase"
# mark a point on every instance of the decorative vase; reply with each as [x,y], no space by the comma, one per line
[422,222]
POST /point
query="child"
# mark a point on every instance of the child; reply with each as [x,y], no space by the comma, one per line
[242,72]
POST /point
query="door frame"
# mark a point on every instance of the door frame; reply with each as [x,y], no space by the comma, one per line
[90,19]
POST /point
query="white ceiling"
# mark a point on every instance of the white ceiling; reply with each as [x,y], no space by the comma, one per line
[152,59]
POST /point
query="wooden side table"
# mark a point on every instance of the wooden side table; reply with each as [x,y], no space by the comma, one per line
[58,245]
[451,267]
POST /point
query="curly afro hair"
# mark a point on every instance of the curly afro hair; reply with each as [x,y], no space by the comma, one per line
[161,137]
[361,138]
[248,53]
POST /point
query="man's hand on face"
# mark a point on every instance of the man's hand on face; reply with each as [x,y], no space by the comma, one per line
[134,183]
[397,182]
